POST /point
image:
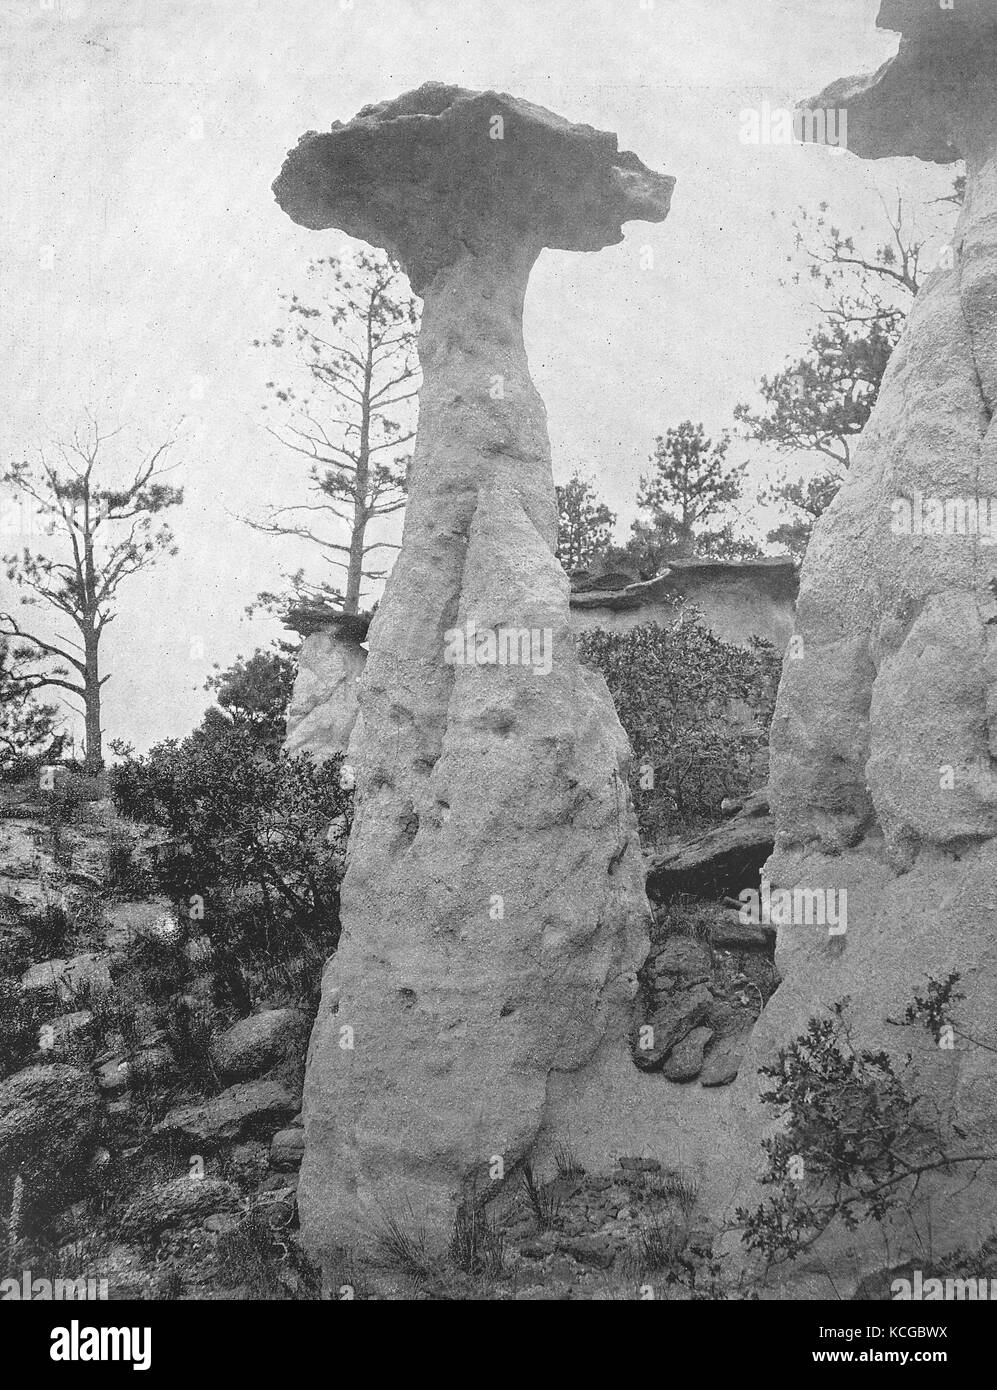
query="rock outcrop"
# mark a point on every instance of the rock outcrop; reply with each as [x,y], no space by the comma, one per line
[493,909]
[324,704]
[722,860]
[885,735]
[737,599]
[49,1119]
[244,1111]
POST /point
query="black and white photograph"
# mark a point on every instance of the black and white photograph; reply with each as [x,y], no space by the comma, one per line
[498,667]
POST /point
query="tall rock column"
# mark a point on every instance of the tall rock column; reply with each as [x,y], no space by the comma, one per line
[884,745]
[494,914]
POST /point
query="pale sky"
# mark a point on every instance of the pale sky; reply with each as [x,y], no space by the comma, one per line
[142,251]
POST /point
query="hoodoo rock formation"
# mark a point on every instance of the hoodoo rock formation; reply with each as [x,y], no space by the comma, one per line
[884,744]
[493,907]
[324,704]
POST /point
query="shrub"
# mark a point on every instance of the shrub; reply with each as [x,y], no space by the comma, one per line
[49,930]
[157,968]
[250,858]
[696,710]
[189,1033]
[856,1140]
[543,1201]
[21,1016]
[477,1247]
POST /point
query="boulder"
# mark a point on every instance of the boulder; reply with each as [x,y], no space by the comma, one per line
[68,980]
[493,909]
[258,1043]
[178,1202]
[127,922]
[49,1118]
[673,1019]
[248,1110]
[24,863]
[723,860]
[66,1030]
[731,1025]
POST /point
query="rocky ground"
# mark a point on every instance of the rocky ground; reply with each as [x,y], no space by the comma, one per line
[709,974]
[150,1135]
[147,1135]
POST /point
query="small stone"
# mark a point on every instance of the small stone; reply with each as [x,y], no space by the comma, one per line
[673,1019]
[731,934]
[280,1182]
[113,1076]
[222,1223]
[540,1246]
[199,950]
[724,1058]
[685,1061]
[287,1148]
[597,1250]
[682,957]
[154,1065]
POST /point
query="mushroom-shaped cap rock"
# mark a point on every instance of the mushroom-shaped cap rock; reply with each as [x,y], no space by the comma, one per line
[912,17]
[442,171]
[918,104]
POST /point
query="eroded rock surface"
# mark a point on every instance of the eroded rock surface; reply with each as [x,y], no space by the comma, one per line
[49,1117]
[885,735]
[722,860]
[702,987]
[493,909]
[324,705]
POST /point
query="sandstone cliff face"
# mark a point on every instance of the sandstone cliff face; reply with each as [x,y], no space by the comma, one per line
[884,779]
[493,908]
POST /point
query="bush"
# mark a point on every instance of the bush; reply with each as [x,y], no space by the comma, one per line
[856,1137]
[696,710]
[49,930]
[20,1020]
[250,859]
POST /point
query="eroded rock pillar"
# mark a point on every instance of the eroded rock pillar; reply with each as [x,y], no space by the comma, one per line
[493,906]
[884,744]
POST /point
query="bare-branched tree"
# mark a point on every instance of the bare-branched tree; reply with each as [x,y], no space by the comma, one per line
[98,535]
[820,402]
[356,419]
